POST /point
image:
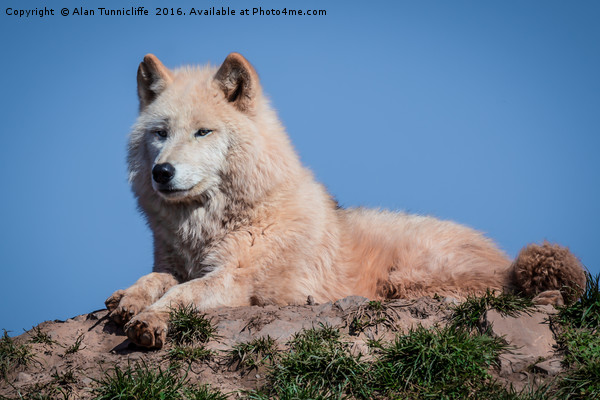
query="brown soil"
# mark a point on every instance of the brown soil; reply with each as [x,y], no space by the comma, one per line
[104,344]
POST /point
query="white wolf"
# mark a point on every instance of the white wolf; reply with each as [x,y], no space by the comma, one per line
[237,220]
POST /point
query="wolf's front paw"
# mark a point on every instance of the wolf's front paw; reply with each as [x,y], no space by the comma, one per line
[123,306]
[148,329]
[113,301]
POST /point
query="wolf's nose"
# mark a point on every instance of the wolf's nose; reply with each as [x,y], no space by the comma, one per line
[163,173]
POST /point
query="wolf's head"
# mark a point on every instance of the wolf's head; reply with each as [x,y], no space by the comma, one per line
[204,130]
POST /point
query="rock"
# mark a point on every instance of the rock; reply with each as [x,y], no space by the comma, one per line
[281,330]
[548,309]
[511,363]
[324,308]
[329,321]
[530,338]
[450,301]
[231,330]
[550,367]
[23,377]
[349,302]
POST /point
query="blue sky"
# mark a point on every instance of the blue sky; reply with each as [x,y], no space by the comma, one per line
[486,113]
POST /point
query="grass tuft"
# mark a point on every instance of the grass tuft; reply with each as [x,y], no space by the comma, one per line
[371,314]
[39,336]
[437,361]
[581,383]
[75,347]
[317,365]
[470,313]
[251,355]
[580,339]
[46,391]
[142,382]
[13,355]
[139,382]
[188,326]
[64,379]
[203,392]
[586,311]
[189,353]
[582,358]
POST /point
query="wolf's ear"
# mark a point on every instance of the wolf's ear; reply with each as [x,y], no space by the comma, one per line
[239,81]
[152,78]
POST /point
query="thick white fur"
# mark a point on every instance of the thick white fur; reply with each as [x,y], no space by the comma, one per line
[256,228]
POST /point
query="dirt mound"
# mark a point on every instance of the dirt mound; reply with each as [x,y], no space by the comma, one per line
[70,356]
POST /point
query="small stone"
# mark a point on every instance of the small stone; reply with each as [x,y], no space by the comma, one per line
[23,377]
[324,308]
[281,330]
[450,300]
[87,381]
[330,321]
[512,363]
[550,367]
[310,301]
[349,302]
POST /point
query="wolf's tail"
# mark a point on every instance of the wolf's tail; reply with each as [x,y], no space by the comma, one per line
[539,268]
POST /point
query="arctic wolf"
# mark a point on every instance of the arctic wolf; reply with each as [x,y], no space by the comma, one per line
[237,220]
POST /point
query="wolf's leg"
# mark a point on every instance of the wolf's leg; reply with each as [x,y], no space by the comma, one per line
[124,304]
[220,288]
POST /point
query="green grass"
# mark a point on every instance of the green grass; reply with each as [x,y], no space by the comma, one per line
[453,362]
[438,362]
[13,355]
[45,391]
[76,346]
[471,312]
[317,365]
[580,340]
[64,379]
[586,311]
[203,392]
[582,383]
[189,353]
[252,354]
[295,391]
[371,314]
[139,382]
[39,336]
[142,382]
[582,359]
[188,326]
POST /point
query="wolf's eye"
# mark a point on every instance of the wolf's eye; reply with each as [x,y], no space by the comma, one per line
[160,133]
[202,132]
